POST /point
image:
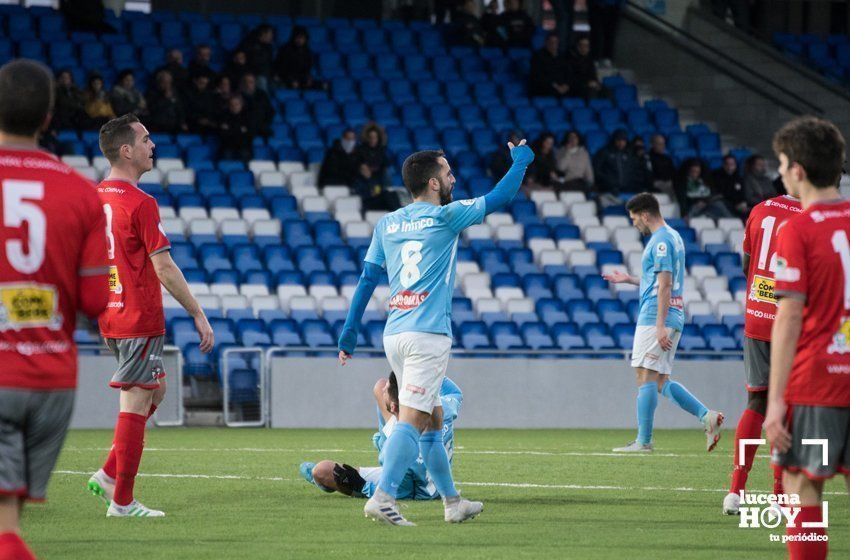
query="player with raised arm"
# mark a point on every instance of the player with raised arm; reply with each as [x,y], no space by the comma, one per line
[133,325]
[53,264]
[763,226]
[417,245]
[660,322]
[809,392]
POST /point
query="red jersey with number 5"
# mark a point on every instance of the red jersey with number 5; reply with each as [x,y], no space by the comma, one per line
[52,232]
[763,226]
[813,264]
[134,234]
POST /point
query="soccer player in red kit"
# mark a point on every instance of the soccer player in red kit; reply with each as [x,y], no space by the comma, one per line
[809,394]
[133,324]
[763,227]
[52,264]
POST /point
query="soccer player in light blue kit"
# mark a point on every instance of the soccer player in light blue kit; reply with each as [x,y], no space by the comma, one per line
[362,482]
[417,245]
[660,322]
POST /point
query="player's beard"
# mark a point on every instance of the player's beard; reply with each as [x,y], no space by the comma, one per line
[445,192]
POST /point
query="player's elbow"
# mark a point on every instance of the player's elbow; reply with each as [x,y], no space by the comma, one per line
[94,295]
[378,389]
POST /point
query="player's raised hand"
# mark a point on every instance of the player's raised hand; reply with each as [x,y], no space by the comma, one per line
[617,277]
[774,426]
[343,357]
[521,153]
[205,332]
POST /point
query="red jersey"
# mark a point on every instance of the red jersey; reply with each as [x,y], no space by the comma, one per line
[134,234]
[813,264]
[52,232]
[760,236]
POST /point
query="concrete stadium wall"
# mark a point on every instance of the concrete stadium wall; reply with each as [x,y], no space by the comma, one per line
[501,393]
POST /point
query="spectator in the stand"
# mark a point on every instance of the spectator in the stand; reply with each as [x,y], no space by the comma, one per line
[517,24]
[584,81]
[97,105]
[642,168]
[174,66]
[604,16]
[549,74]
[613,168]
[165,108]
[69,110]
[258,106]
[469,26]
[757,185]
[202,109]
[500,160]
[491,23]
[293,66]
[372,162]
[234,131]
[259,48]
[125,98]
[543,173]
[663,168]
[223,92]
[740,11]
[573,161]
[237,67]
[696,197]
[564,18]
[201,64]
[340,165]
[727,181]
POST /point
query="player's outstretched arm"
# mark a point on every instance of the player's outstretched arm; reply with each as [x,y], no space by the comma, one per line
[362,294]
[506,189]
[620,277]
[171,277]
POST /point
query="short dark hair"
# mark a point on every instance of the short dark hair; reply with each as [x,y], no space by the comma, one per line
[115,134]
[392,387]
[26,96]
[419,168]
[644,202]
[814,144]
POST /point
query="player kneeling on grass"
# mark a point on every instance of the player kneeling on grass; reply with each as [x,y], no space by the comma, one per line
[361,483]
[808,403]
[659,325]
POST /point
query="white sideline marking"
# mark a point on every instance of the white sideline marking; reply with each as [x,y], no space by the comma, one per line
[484,484]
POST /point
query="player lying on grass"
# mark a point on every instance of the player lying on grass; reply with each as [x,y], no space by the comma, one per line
[362,482]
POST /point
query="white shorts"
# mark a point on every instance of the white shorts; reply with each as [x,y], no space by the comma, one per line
[371,474]
[419,361]
[647,353]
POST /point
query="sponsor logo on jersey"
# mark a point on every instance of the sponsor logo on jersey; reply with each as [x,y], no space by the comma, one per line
[661,250]
[762,289]
[392,228]
[416,225]
[841,340]
[114,281]
[468,202]
[29,306]
[407,300]
[677,302]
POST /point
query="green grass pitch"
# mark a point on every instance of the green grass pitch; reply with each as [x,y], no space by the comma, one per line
[236,494]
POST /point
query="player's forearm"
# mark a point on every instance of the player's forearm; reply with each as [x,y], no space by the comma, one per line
[784,337]
[664,293]
[746,264]
[362,295]
[172,278]
[506,189]
[633,280]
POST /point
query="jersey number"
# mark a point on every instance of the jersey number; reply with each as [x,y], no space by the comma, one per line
[107,209]
[842,247]
[18,209]
[411,256]
[767,226]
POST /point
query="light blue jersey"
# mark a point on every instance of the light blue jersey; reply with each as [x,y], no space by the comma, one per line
[665,252]
[417,245]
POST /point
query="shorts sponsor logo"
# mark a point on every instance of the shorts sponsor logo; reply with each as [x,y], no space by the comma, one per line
[762,289]
[841,340]
[414,389]
[114,281]
[653,357]
[29,306]
[468,202]
[407,300]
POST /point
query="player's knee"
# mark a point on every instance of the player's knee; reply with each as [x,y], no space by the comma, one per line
[323,473]
[757,402]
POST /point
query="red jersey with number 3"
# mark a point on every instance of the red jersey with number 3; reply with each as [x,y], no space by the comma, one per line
[763,227]
[52,232]
[813,263]
[135,233]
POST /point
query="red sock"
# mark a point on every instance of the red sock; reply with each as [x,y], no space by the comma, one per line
[749,427]
[807,549]
[129,438]
[109,465]
[13,547]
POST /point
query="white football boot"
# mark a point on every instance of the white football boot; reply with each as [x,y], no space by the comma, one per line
[460,509]
[133,509]
[381,507]
[712,422]
[102,486]
[635,447]
[732,504]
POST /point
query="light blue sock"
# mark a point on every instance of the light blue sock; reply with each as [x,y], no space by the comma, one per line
[647,400]
[400,451]
[683,398]
[437,462]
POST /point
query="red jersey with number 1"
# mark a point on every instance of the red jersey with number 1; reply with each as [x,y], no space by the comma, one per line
[135,233]
[813,263]
[763,227]
[52,232]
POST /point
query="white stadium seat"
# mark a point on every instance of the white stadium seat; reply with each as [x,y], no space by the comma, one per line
[220,214]
[539,197]
[551,257]
[264,303]
[314,204]
[519,305]
[209,302]
[168,164]
[271,179]
[571,197]
[234,227]
[180,177]
[252,215]
[713,235]
[202,227]
[251,290]
[582,210]
[189,213]
[478,231]
[569,245]
[582,258]
[333,192]
[76,161]
[357,230]
[288,167]
[152,176]
[513,232]
[259,166]
[321,291]
[552,209]
[595,234]
[487,305]
[476,280]
[224,289]
[348,204]
[301,179]
[265,228]
[173,226]
[499,219]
